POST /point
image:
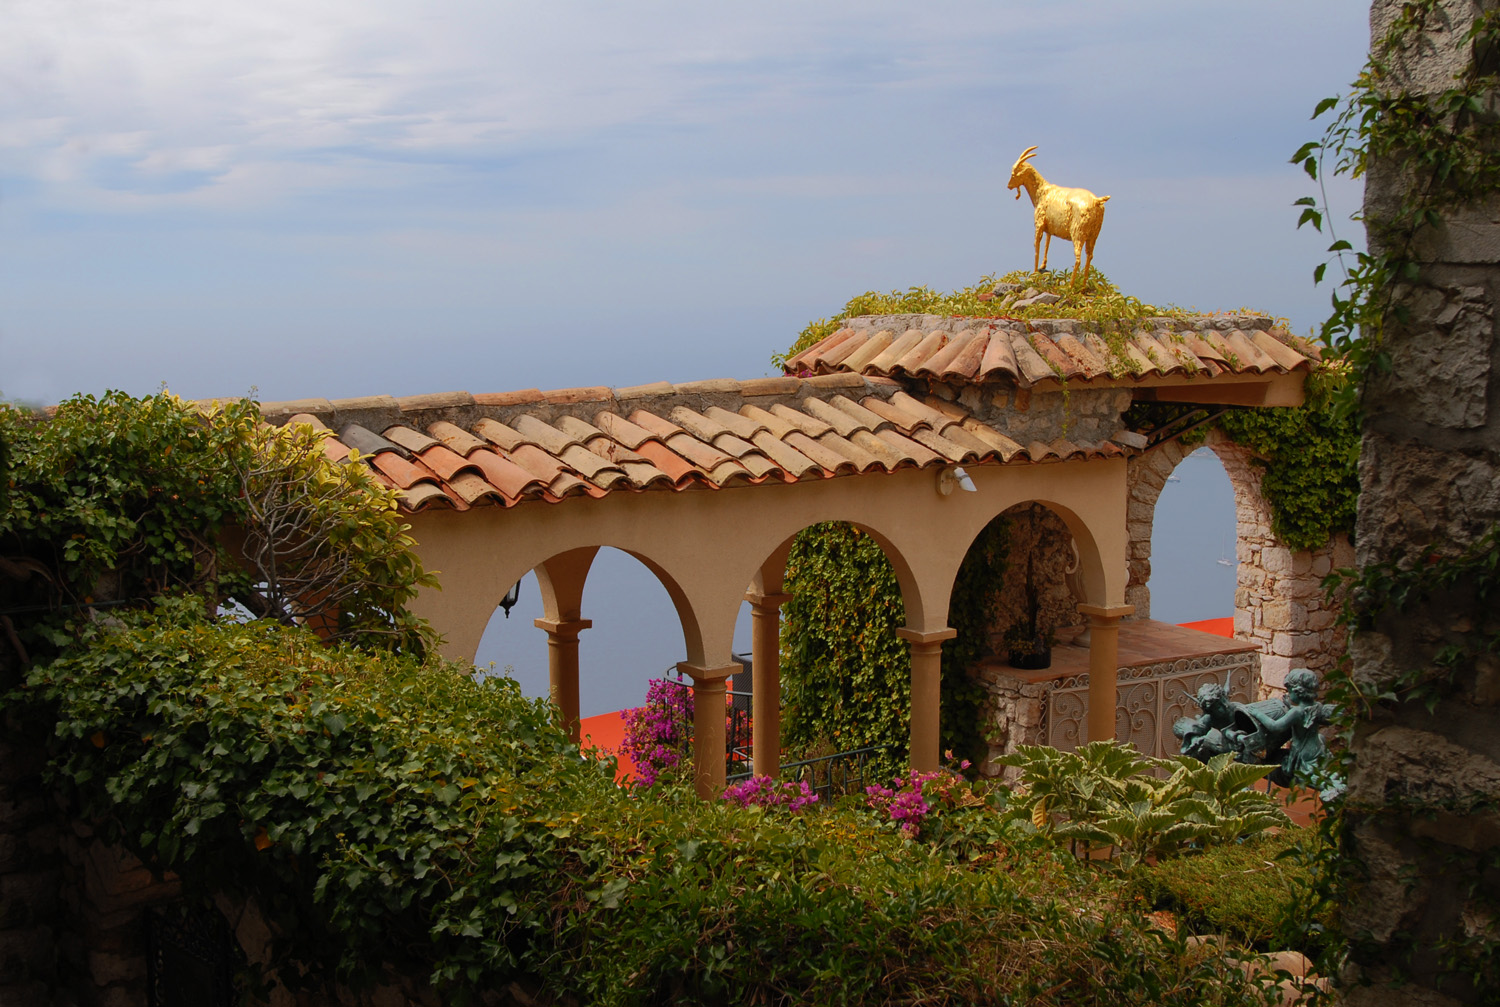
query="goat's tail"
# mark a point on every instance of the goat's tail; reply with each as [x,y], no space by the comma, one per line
[1102,199]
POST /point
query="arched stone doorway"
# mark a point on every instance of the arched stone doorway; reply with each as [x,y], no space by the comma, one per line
[1279,603]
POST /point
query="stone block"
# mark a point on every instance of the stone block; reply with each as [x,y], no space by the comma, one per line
[1440,365]
[1273,671]
[1029,712]
[1276,559]
[1283,615]
[1322,565]
[1243,621]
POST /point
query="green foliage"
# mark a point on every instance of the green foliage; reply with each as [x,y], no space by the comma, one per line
[846,675]
[120,496]
[1310,458]
[1443,144]
[386,811]
[1244,891]
[1105,795]
[117,500]
[1101,302]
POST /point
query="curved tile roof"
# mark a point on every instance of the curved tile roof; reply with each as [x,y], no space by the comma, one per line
[460,451]
[979,350]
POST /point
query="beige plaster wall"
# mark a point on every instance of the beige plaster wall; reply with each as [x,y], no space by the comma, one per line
[708,547]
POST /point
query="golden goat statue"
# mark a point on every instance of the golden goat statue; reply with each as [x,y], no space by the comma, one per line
[1074,214]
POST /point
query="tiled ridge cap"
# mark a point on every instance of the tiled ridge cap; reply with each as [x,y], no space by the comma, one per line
[378,412]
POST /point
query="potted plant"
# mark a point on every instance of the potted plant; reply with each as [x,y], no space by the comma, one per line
[1029,646]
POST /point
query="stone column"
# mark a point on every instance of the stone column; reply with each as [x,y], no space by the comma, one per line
[562,666]
[708,725]
[1104,666]
[1421,824]
[765,654]
[926,694]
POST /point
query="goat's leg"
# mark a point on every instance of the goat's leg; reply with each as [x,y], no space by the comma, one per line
[1089,247]
[1046,251]
[1036,251]
[1077,258]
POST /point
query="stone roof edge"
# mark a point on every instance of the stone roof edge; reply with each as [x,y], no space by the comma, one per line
[380,412]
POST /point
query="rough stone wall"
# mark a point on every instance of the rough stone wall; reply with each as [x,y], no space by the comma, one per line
[1278,599]
[1425,784]
[1013,714]
[1037,532]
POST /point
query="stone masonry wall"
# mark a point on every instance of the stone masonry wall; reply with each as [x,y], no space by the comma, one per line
[1278,599]
[1424,786]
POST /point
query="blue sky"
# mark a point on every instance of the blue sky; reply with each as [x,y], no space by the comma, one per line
[354,197]
[346,198]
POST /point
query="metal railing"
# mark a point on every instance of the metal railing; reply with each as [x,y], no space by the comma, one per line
[829,776]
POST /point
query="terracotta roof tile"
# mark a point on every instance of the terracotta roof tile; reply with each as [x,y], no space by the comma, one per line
[863,460]
[788,458]
[368,442]
[899,347]
[308,419]
[420,496]
[498,433]
[872,348]
[810,425]
[505,475]
[412,440]
[656,425]
[919,455]
[455,437]
[676,467]
[473,487]
[735,423]
[844,423]
[510,449]
[403,473]
[696,424]
[445,462]
[904,419]
[887,455]
[865,417]
[622,430]
[540,464]
[831,461]
[996,349]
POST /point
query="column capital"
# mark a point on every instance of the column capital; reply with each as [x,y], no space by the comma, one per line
[1106,611]
[563,627]
[926,636]
[767,600]
[707,676]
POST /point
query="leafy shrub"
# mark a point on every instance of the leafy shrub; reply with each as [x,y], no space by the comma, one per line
[1106,795]
[391,812]
[1241,890]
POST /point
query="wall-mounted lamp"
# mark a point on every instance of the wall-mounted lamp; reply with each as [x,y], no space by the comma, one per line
[511,597]
[950,477]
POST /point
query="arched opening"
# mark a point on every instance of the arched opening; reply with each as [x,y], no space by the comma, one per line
[845,673]
[1193,558]
[636,635]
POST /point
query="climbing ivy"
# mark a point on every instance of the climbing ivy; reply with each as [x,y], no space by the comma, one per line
[846,675]
[1446,144]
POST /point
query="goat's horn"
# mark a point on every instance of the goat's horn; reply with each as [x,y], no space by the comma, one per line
[1025,154]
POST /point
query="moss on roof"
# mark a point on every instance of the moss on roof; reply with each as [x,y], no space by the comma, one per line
[1100,302]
